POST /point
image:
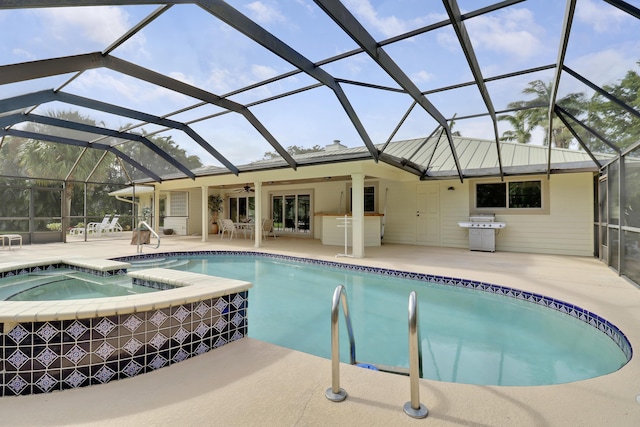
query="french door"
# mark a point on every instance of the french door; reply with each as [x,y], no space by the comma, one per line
[292,213]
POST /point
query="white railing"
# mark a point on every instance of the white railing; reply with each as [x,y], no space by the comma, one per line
[139,243]
[335,393]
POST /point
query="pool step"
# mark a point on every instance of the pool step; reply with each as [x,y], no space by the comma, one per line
[157,263]
[384,368]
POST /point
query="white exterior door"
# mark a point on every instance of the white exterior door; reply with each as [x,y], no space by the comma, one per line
[428,215]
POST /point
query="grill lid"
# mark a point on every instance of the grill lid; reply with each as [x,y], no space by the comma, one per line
[482,217]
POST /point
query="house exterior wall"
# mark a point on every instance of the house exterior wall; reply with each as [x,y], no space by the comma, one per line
[567,227]
[566,230]
[564,226]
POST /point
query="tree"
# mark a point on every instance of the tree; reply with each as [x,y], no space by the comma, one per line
[42,159]
[452,124]
[521,132]
[74,164]
[535,116]
[293,150]
[613,122]
[154,162]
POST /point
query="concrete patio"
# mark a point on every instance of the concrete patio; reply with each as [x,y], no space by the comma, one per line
[249,382]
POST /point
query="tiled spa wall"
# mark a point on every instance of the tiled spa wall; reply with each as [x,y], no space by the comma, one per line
[41,357]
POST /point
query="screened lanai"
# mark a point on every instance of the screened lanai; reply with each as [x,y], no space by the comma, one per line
[99,95]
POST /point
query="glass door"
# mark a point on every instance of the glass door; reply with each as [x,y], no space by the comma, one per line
[603,234]
[291,213]
[242,208]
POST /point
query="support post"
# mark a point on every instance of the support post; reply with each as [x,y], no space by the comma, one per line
[357,214]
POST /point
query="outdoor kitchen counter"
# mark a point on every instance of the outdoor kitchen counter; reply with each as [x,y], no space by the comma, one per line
[332,232]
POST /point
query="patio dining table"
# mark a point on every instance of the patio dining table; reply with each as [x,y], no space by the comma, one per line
[245,228]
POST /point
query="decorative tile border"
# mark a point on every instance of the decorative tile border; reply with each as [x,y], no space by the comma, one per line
[153,284]
[40,357]
[57,266]
[591,319]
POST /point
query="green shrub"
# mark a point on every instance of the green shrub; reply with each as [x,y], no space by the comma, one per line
[54,226]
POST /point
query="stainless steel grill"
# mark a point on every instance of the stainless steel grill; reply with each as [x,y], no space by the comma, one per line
[482,231]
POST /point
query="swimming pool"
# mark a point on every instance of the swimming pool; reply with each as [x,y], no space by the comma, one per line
[472,332]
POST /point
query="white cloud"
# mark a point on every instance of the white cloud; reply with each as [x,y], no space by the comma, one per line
[219,79]
[512,32]
[602,17]
[387,25]
[448,40]
[265,13]
[603,67]
[310,8]
[223,80]
[182,77]
[124,90]
[263,72]
[422,76]
[101,25]
[23,53]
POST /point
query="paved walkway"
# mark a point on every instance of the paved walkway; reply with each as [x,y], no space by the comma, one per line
[251,383]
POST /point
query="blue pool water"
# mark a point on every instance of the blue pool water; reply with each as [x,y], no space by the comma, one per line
[64,284]
[468,336]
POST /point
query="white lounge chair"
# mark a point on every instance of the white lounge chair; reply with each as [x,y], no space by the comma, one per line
[230,227]
[95,227]
[77,230]
[113,226]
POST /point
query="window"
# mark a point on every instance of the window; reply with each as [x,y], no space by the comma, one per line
[179,204]
[527,194]
[509,195]
[369,198]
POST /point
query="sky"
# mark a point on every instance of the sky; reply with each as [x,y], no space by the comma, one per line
[189,44]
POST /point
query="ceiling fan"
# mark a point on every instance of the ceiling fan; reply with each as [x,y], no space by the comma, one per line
[245,189]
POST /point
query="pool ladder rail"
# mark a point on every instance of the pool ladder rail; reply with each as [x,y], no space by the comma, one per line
[413,408]
[139,244]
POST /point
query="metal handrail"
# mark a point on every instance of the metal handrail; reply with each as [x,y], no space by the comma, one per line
[335,393]
[414,408]
[141,245]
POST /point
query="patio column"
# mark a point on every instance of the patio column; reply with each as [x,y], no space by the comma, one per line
[204,192]
[258,213]
[357,212]
[156,210]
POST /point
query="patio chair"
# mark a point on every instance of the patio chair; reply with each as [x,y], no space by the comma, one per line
[267,227]
[230,227]
[11,238]
[95,227]
[112,226]
[77,230]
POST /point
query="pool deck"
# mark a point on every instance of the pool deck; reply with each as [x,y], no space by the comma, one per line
[251,383]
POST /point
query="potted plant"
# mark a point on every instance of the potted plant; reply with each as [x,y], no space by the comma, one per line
[216,205]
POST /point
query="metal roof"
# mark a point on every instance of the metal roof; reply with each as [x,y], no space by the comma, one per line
[151,90]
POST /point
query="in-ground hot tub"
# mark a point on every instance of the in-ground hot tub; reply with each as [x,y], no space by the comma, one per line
[58,345]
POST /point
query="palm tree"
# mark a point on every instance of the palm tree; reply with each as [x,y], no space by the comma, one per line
[534,115]
[520,133]
[574,103]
